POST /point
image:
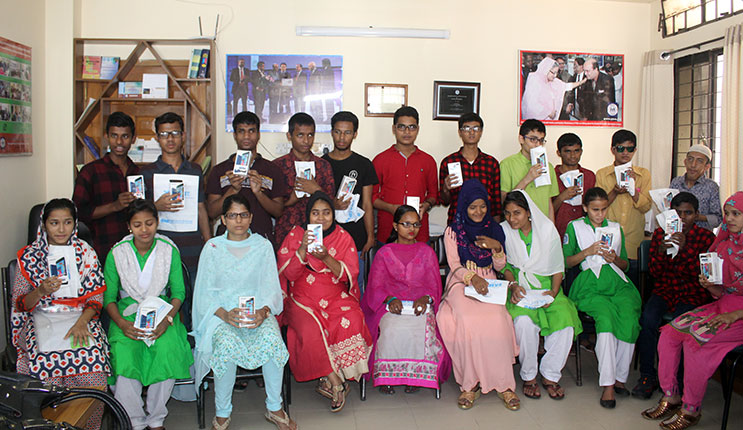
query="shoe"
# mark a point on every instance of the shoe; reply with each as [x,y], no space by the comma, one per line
[645,387]
[662,410]
[680,421]
[608,404]
[621,391]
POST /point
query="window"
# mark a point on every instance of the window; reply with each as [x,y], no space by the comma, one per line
[682,15]
[697,107]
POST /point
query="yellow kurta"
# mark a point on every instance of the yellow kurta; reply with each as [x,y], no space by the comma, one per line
[624,210]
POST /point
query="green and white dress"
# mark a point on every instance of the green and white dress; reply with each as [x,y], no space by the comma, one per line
[130,278]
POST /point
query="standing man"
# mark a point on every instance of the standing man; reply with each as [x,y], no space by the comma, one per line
[596,95]
[344,162]
[697,163]
[302,136]
[314,89]
[572,96]
[327,86]
[274,93]
[475,165]
[517,172]
[570,149]
[264,187]
[101,191]
[239,79]
[261,83]
[562,73]
[404,171]
[626,208]
[285,90]
[299,89]
[171,137]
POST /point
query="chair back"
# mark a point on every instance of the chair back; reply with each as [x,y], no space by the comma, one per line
[33,222]
[8,277]
[643,267]
[368,263]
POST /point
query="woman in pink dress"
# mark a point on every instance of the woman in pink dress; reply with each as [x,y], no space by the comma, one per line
[545,92]
[479,336]
[706,334]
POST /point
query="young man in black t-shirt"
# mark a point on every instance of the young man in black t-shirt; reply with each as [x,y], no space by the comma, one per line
[344,129]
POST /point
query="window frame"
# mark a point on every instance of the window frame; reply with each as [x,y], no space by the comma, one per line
[704,21]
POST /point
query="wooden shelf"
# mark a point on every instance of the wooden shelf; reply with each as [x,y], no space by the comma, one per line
[192,98]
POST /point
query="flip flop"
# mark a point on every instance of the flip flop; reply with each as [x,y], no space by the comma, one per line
[531,390]
[553,389]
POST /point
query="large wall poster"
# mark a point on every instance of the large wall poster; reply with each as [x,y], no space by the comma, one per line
[571,88]
[15,98]
[277,86]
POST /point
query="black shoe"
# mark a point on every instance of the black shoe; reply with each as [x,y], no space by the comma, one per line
[608,404]
[645,387]
[621,391]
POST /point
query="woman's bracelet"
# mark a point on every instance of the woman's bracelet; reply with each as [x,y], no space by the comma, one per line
[468,278]
[391,299]
[498,254]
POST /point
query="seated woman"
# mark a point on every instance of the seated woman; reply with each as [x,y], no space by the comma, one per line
[327,336]
[234,267]
[145,265]
[408,349]
[535,262]
[55,322]
[603,291]
[478,335]
[706,334]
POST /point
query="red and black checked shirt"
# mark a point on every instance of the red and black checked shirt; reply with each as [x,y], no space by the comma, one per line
[100,182]
[677,280]
[485,168]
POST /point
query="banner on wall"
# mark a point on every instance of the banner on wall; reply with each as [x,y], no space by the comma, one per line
[15,98]
[277,86]
[571,88]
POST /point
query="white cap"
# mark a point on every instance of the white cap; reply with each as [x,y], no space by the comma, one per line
[702,149]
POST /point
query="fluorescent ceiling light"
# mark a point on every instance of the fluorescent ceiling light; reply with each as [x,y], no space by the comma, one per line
[420,33]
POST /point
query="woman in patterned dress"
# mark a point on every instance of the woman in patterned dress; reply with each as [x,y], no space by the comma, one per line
[239,264]
[705,334]
[38,297]
[327,336]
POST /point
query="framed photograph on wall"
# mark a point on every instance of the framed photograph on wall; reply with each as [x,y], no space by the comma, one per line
[571,88]
[382,100]
[452,99]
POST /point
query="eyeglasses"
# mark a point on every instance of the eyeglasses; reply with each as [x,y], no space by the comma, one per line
[234,215]
[467,128]
[533,139]
[410,224]
[174,133]
[343,132]
[621,149]
[410,127]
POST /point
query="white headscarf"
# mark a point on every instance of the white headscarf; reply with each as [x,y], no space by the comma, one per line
[545,258]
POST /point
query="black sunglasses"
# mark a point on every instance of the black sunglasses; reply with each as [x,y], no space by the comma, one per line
[621,149]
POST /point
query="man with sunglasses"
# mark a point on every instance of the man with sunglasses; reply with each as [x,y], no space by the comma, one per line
[404,171]
[697,163]
[627,207]
[517,172]
[475,164]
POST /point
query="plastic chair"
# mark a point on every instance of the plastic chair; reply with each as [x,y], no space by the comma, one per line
[8,359]
[728,368]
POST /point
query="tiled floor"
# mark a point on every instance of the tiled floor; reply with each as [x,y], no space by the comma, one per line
[579,410]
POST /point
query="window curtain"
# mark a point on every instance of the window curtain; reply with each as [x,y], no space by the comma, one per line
[732,114]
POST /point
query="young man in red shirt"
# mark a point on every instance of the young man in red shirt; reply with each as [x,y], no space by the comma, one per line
[570,149]
[404,171]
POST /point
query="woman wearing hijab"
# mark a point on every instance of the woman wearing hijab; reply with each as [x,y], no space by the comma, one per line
[57,304]
[228,333]
[141,267]
[407,349]
[706,334]
[478,336]
[535,267]
[544,92]
[327,336]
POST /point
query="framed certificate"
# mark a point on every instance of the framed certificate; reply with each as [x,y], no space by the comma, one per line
[452,99]
[382,100]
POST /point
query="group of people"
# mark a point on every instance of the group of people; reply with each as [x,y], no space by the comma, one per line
[290,251]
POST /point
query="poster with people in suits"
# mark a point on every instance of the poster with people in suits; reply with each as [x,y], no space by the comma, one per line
[15,98]
[275,87]
[571,88]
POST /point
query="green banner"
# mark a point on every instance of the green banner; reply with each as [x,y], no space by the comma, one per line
[16,80]
[20,60]
[15,127]
[14,102]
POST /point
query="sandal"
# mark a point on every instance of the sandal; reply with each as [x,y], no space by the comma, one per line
[217,426]
[680,421]
[554,389]
[387,389]
[411,390]
[339,395]
[662,410]
[531,390]
[324,388]
[467,399]
[511,400]
[240,386]
[278,421]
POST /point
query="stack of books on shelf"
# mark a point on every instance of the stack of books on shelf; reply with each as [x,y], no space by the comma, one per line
[199,64]
[97,67]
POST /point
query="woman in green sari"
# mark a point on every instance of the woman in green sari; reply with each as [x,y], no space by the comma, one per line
[143,267]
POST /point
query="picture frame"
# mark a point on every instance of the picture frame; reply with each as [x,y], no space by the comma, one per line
[382,100]
[452,99]
[545,93]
